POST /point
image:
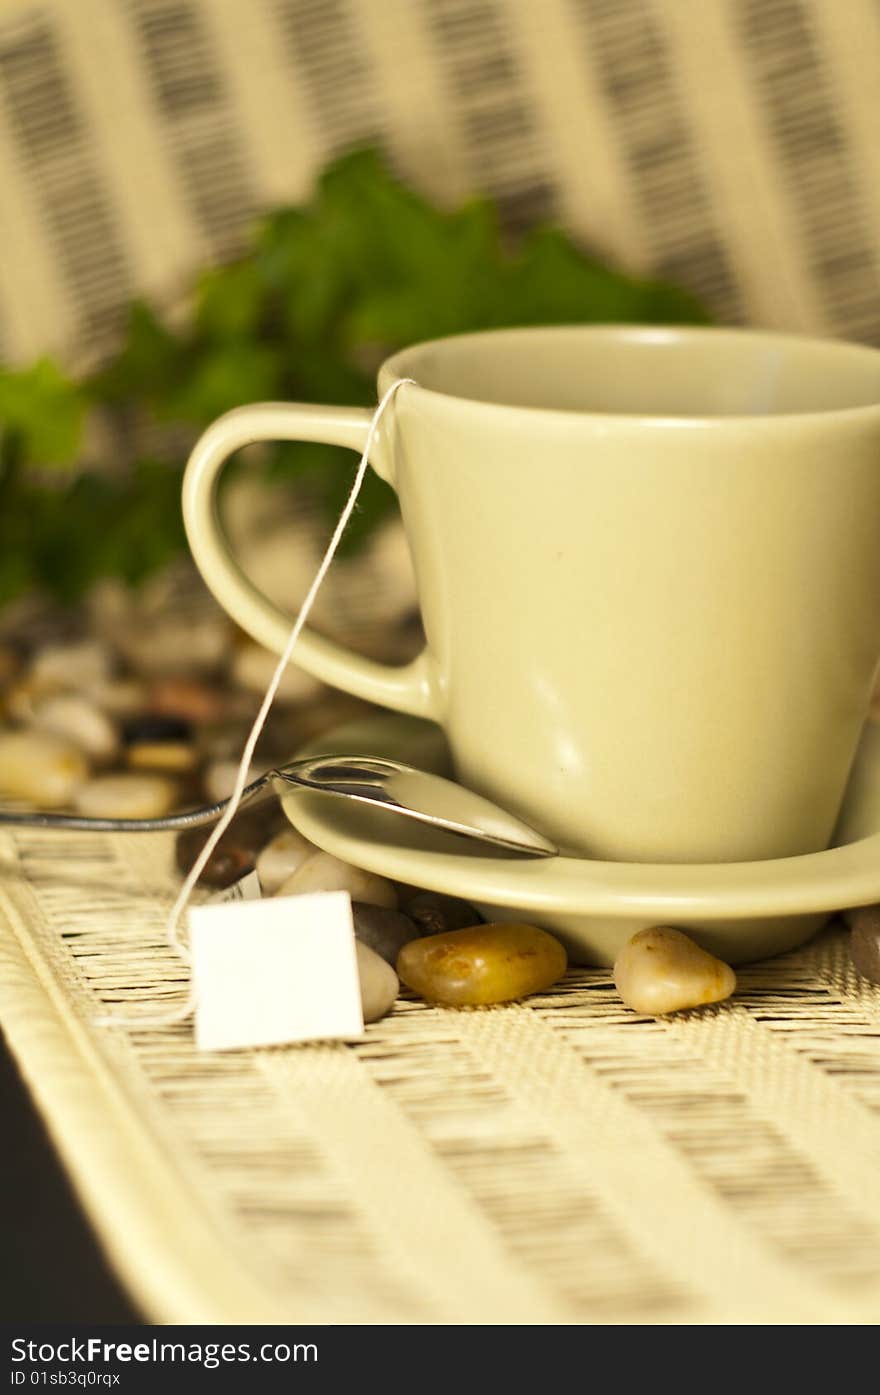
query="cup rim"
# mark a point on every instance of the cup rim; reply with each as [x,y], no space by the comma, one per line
[399,365]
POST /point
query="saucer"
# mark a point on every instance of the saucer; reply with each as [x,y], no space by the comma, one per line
[739,911]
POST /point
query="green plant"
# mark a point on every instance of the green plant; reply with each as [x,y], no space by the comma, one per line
[321,295]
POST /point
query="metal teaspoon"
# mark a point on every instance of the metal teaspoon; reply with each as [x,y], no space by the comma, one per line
[387,784]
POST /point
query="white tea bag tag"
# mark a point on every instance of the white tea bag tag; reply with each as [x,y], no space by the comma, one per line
[281,969]
[247,888]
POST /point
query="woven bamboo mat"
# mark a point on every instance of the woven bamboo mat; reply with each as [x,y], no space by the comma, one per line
[560,1161]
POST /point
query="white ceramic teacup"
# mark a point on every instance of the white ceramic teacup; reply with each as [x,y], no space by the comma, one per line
[648,562]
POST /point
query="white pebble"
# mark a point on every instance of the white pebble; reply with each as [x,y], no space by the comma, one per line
[281,858]
[41,768]
[175,644]
[379,983]
[253,666]
[127,797]
[80,721]
[121,697]
[25,695]
[323,872]
[219,778]
[661,970]
[78,665]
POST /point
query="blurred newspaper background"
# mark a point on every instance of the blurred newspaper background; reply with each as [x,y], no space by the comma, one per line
[729,145]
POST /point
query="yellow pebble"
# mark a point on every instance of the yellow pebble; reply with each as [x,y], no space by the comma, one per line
[170,757]
[40,768]
[482,965]
[127,796]
[661,970]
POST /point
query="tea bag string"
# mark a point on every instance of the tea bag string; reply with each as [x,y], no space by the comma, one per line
[173,923]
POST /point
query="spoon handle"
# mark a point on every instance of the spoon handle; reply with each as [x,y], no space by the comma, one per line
[388,784]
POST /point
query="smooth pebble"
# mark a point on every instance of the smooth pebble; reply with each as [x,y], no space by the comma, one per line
[24,696]
[120,697]
[146,727]
[253,667]
[662,970]
[80,721]
[222,740]
[124,796]
[196,702]
[435,914]
[379,983]
[482,965]
[323,872]
[236,853]
[175,644]
[168,757]
[281,858]
[218,779]
[41,768]
[77,665]
[864,942]
[384,930]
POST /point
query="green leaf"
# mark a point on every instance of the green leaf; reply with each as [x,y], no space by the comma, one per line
[44,410]
[220,377]
[64,538]
[299,268]
[445,276]
[670,305]
[147,365]
[414,271]
[324,291]
[230,301]
[290,462]
[552,282]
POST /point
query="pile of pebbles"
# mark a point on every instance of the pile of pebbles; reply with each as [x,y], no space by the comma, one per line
[131,710]
[140,721]
[437,945]
[118,712]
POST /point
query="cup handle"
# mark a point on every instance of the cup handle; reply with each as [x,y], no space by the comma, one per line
[405,688]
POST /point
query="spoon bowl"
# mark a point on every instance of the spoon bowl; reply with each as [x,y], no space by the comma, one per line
[415,794]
